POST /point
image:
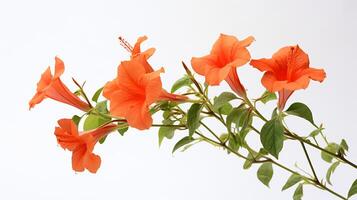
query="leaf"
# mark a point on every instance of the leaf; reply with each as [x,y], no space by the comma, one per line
[267,96]
[94,121]
[265,173]
[301,110]
[102,107]
[331,147]
[102,140]
[184,81]
[166,132]
[225,109]
[344,145]
[299,192]
[193,117]
[97,94]
[76,119]
[314,133]
[272,136]
[274,113]
[293,179]
[222,99]
[241,116]
[233,142]
[330,170]
[248,163]
[123,130]
[190,145]
[183,142]
[353,189]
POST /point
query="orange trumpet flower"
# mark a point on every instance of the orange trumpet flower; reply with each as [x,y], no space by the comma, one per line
[288,70]
[81,144]
[52,87]
[226,55]
[143,57]
[136,87]
[133,91]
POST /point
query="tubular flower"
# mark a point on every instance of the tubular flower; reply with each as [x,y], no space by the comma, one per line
[81,144]
[52,87]
[132,92]
[226,55]
[288,70]
[143,57]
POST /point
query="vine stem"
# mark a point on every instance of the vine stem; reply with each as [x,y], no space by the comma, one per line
[314,181]
[310,163]
[296,137]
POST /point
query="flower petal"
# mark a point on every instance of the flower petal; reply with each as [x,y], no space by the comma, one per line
[141,119]
[59,67]
[78,158]
[315,74]
[223,48]
[264,64]
[92,162]
[216,75]
[203,64]
[246,42]
[271,83]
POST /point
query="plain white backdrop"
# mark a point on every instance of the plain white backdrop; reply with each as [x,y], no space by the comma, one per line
[84,34]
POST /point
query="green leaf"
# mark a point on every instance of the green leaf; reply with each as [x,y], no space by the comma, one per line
[222,99]
[331,147]
[241,116]
[301,110]
[166,132]
[233,142]
[353,189]
[97,94]
[344,145]
[267,96]
[293,179]
[272,136]
[248,163]
[102,107]
[265,173]
[94,121]
[193,117]
[102,140]
[299,192]
[76,119]
[330,170]
[314,133]
[225,109]
[184,141]
[274,113]
[184,81]
[123,130]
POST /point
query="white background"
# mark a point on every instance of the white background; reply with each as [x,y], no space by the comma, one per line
[84,34]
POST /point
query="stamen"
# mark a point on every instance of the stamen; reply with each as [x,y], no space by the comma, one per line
[125,44]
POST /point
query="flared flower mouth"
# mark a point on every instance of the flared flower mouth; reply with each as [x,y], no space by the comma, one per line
[51,86]
[226,55]
[136,87]
[287,71]
[81,143]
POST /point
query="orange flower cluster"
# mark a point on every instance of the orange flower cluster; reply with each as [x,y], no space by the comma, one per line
[138,86]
